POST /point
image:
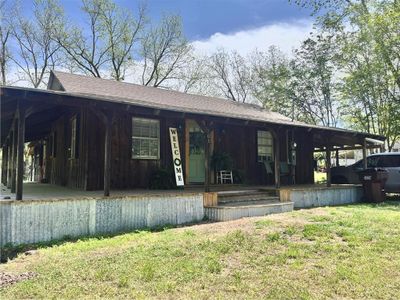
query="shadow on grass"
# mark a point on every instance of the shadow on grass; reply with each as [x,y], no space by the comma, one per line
[9,252]
[392,202]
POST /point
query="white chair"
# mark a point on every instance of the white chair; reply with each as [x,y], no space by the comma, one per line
[224,176]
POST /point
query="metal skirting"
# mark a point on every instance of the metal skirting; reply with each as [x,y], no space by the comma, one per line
[227,213]
[25,222]
[314,196]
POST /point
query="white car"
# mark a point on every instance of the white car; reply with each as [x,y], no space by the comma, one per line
[388,161]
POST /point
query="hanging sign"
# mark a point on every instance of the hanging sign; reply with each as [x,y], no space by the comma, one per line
[176,156]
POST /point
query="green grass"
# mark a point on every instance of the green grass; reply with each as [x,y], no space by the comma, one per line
[319,177]
[335,252]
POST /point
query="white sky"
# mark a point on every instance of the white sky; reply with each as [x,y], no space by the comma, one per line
[286,36]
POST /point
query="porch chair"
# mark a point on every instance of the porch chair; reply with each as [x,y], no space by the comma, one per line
[225,176]
[283,166]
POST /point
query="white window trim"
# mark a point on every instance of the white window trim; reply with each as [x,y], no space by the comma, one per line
[144,157]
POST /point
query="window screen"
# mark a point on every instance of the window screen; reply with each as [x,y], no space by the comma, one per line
[145,138]
[264,146]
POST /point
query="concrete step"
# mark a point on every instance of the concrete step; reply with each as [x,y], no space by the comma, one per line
[235,211]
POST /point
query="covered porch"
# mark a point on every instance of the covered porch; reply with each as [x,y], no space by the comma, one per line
[86,145]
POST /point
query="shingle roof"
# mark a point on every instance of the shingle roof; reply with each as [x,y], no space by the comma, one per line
[162,98]
[128,93]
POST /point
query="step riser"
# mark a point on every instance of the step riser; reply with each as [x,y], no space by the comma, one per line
[246,198]
[253,194]
[234,213]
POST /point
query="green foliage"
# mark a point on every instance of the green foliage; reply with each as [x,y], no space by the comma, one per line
[221,161]
[367,39]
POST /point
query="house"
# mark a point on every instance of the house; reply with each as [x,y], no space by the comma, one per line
[98,143]
[101,134]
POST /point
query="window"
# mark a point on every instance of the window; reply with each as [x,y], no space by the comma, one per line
[145,138]
[74,137]
[264,146]
[389,161]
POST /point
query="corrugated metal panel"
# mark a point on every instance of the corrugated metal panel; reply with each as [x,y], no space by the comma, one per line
[309,197]
[232,213]
[38,221]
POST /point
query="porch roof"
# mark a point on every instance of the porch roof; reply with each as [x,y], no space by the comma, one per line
[64,88]
[129,93]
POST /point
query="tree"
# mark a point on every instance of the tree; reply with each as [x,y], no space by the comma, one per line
[5,34]
[370,87]
[36,51]
[369,36]
[121,33]
[271,75]
[86,51]
[313,82]
[194,77]
[231,75]
[106,48]
[165,52]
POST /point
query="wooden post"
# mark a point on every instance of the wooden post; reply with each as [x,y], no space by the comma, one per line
[277,167]
[207,161]
[14,159]
[4,159]
[9,161]
[20,154]
[107,156]
[328,167]
[364,153]
[337,158]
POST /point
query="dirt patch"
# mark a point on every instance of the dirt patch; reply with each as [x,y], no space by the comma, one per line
[223,228]
[8,279]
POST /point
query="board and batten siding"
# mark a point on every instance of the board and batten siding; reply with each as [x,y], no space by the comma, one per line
[86,171]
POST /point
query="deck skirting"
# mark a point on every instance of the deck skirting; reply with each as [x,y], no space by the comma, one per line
[26,222]
[321,196]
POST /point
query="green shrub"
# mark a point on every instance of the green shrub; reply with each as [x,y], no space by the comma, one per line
[162,179]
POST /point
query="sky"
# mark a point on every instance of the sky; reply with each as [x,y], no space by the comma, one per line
[240,25]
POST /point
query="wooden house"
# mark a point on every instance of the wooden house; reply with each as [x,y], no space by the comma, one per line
[101,134]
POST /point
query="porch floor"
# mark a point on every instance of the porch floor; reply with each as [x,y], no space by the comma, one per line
[45,191]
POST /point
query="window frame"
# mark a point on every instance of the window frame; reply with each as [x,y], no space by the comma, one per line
[146,138]
[267,145]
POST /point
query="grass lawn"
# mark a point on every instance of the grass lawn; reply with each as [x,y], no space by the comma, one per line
[334,252]
[319,177]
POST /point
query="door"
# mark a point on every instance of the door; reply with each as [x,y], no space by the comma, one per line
[196,153]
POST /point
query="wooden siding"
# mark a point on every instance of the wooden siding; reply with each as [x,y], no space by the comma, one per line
[65,170]
[86,171]
[305,157]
